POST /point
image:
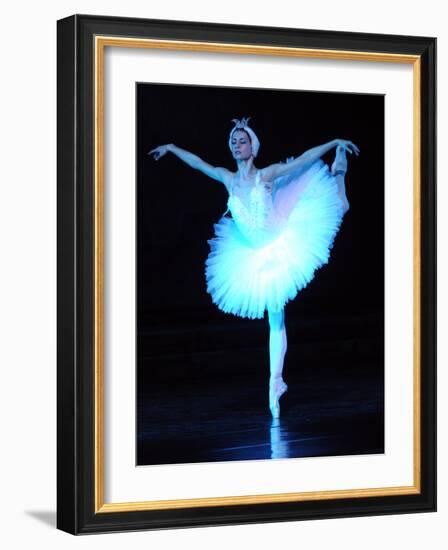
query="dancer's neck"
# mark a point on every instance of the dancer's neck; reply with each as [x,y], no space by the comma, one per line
[246,168]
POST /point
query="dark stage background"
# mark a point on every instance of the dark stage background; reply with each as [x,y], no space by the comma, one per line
[202,375]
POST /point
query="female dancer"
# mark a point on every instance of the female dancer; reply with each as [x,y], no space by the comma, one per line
[284,220]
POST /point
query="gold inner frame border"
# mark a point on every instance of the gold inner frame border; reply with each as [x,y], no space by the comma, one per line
[101,42]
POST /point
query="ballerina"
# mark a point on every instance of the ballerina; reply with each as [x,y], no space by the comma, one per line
[284,221]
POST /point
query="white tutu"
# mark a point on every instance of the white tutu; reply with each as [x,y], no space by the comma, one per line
[266,253]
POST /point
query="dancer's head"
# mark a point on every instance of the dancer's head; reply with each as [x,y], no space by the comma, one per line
[243,141]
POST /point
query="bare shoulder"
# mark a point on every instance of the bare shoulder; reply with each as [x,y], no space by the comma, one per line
[267,176]
[226,176]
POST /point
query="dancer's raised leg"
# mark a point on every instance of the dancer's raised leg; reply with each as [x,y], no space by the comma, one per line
[339,169]
[277,351]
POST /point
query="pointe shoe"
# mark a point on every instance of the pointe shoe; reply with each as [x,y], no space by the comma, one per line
[339,166]
[276,390]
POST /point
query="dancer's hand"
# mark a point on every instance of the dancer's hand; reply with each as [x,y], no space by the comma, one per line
[348,146]
[158,152]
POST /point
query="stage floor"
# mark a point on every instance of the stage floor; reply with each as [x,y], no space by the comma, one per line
[329,409]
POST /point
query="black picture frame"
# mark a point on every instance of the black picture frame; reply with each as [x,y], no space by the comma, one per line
[81,508]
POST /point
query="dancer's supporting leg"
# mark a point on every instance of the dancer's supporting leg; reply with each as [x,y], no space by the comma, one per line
[339,169]
[277,350]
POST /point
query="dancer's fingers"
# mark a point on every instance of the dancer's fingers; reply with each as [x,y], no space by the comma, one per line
[352,148]
[355,148]
[157,152]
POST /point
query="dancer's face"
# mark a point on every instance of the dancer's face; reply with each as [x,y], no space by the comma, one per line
[241,145]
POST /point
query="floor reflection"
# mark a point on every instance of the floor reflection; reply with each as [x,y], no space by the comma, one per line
[279,440]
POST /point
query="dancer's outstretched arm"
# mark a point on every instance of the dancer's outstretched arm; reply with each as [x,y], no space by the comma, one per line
[221,174]
[274,171]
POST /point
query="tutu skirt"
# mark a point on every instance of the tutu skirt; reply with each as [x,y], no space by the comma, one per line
[246,279]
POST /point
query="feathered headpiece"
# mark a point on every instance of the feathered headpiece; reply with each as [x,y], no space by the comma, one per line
[242,125]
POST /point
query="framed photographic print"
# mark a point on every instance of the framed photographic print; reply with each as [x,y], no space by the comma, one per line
[246,274]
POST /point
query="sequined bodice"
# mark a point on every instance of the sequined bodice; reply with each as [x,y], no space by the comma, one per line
[258,221]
